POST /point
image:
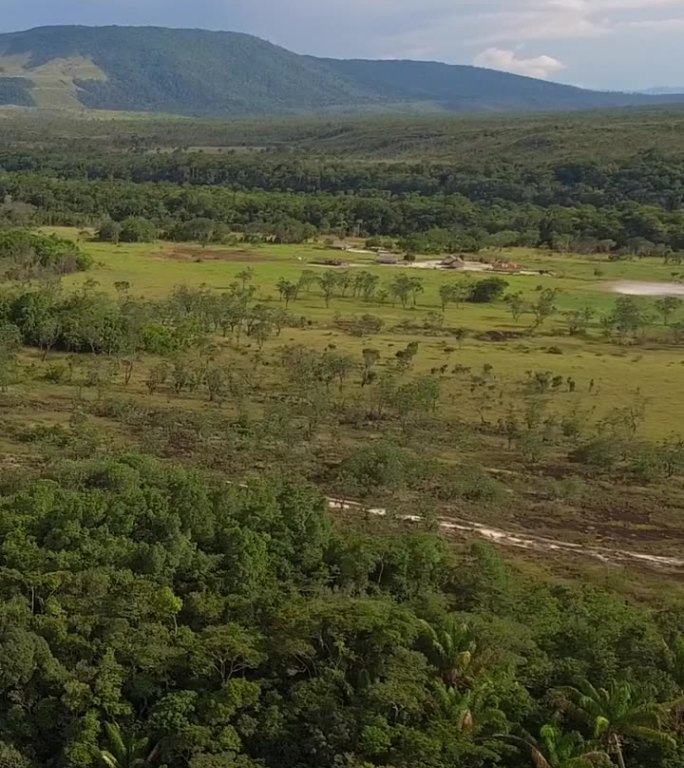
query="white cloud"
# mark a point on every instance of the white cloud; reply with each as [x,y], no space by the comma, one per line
[509,61]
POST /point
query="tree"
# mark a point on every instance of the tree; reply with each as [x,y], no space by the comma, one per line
[401,288]
[245,276]
[616,715]
[126,751]
[10,342]
[339,366]
[667,306]
[370,360]
[453,650]
[288,291]
[445,295]
[578,320]
[556,749]
[109,231]
[543,308]
[226,650]
[516,305]
[627,318]
[328,283]
[416,288]
[487,291]
[137,230]
[473,712]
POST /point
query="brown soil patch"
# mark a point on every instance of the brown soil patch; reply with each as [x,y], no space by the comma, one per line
[185,253]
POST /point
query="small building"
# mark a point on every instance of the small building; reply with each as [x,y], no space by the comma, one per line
[506,266]
[453,262]
[386,257]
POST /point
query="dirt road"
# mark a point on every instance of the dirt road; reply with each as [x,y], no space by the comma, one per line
[457,526]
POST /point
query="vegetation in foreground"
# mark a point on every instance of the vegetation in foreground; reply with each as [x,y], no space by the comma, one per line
[152,617]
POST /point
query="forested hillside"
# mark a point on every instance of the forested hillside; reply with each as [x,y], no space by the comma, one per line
[196,72]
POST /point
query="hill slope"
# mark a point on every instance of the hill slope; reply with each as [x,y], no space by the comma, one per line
[224,73]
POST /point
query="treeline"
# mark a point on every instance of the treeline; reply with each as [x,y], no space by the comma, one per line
[149,616]
[647,178]
[292,217]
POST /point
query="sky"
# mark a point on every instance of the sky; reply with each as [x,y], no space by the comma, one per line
[613,44]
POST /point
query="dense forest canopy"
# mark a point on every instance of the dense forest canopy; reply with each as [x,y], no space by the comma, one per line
[582,199]
[217,626]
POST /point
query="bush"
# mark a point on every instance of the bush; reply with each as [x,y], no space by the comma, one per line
[27,253]
[487,291]
[470,484]
[137,230]
[602,452]
[381,466]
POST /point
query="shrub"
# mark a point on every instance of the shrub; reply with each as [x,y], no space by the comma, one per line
[487,291]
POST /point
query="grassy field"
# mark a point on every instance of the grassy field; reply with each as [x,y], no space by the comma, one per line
[653,369]
[551,496]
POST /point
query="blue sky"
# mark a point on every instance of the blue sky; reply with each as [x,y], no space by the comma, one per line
[625,44]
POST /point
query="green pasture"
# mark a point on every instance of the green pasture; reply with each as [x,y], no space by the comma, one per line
[654,370]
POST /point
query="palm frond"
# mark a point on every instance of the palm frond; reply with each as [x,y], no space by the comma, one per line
[109,759]
[652,736]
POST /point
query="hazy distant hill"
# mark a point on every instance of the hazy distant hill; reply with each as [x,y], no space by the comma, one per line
[225,73]
[665,90]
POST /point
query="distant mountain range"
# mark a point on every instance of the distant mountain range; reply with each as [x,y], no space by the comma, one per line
[664,90]
[195,72]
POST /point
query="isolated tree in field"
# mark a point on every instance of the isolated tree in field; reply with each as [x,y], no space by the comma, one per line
[261,332]
[667,306]
[628,318]
[306,280]
[405,356]
[288,291]
[328,283]
[370,360]
[460,334]
[617,714]
[123,751]
[339,366]
[365,284]
[245,276]
[156,377]
[544,307]
[416,289]
[517,306]
[217,380]
[557,749]
[344,282]
[401,289]
[489,290]
[578,320]
[450,293]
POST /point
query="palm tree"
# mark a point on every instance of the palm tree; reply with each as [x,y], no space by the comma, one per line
[453,650]
[473,711]
[556,749]
[617,715]
[126,752]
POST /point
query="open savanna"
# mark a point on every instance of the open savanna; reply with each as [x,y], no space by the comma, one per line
[84,402]
[652,370]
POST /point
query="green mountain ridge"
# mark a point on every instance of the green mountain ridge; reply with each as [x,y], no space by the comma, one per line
[197,72]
